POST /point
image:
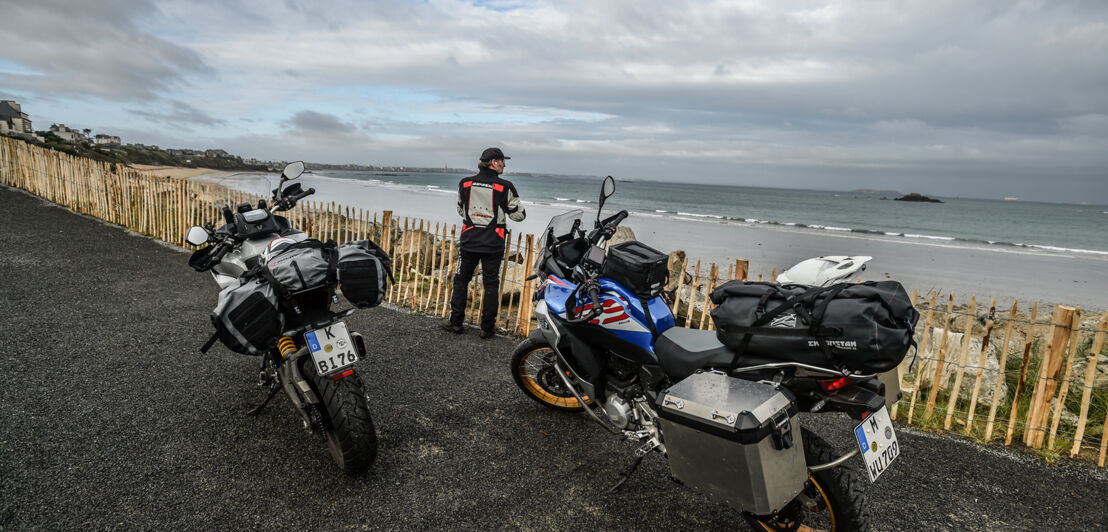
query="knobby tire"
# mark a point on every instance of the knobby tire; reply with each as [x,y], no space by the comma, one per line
[347,425]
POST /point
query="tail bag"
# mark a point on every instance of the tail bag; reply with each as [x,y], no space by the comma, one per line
[866,327]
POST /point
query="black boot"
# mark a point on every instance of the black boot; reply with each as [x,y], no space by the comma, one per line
[453,327]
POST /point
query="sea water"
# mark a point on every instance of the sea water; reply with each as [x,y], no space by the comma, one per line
[1042,251]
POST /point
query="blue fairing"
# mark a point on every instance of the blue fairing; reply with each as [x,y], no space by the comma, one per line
[623,312]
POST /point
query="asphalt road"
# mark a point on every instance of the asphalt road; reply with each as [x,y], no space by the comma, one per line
[110,418]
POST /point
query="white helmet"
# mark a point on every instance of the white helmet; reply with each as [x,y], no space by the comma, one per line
[823,271]
[275,247]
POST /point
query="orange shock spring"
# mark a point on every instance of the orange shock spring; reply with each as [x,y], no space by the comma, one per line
[286,346]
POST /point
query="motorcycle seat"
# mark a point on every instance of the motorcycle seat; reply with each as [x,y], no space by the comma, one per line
[682,351]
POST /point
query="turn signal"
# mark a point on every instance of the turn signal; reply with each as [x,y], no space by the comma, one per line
[830,385]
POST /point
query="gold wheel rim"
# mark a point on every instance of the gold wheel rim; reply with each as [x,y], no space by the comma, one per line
[826,501]
[538,391]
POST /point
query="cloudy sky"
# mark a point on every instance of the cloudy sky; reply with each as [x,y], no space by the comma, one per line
[983,98]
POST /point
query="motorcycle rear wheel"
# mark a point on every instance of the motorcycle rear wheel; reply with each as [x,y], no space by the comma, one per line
[347,425]
[534,373]
[833,500]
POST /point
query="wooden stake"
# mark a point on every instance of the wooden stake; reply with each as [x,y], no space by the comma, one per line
[967,336]
[680,285]
[1000,374]
[503,274]
[1048,375]
[921,351]
[524,322]
[742,269]
[1086,393]
[713,278]
[939,364]
[692,295]
[451,271]
[517,279]
[1060,402]
[981,364]
[1023,374]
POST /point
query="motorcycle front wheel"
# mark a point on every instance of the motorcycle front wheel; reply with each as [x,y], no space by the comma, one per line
[534,373]
[832,499]
[346,423]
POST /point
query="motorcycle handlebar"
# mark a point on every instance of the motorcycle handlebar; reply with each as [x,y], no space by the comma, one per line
[220,250]
[303,195]
[594,297]
[607,227]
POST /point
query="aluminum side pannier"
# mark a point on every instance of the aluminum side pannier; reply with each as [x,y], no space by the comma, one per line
[866,327]
[364,272]
[246,317]
[735,439]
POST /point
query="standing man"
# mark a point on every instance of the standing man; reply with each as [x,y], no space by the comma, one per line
[483,201]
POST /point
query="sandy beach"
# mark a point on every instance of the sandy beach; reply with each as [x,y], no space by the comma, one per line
[177,172]
[965,269]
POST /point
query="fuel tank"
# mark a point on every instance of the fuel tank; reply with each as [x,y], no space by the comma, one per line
[623,315]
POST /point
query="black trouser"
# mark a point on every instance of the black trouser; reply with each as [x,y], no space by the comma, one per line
[490,277]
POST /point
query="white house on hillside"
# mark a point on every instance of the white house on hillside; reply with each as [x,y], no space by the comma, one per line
[65,133]
[109,140]
[13,121]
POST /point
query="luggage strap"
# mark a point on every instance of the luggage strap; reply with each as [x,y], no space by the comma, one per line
[649,320]
[208,345]
[797,303]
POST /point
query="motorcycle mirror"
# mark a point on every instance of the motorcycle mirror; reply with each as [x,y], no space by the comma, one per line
[197,235]
[606,190]
[293,170]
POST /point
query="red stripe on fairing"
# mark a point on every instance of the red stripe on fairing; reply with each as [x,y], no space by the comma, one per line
[556,281]
[621,317]
[608,302]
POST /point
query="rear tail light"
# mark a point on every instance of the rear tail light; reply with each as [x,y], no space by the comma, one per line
[830,385]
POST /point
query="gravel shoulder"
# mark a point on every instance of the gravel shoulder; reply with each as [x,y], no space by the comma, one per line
[110,418]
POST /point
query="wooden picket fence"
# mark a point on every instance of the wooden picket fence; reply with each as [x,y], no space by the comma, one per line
[1021,397]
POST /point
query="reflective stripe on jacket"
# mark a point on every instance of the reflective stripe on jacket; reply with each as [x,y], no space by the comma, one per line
[484,201]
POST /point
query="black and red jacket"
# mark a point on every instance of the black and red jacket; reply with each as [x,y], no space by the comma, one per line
[483,202]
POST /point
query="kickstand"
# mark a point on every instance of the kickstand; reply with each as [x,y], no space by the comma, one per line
[258,409]
[626,475]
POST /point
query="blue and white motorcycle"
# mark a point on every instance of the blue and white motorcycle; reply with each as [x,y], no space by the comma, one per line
[727,425]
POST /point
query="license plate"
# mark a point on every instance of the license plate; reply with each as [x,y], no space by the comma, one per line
[877,440]
[331,347]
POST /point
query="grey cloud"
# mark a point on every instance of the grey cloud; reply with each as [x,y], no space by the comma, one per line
[91,49]
[315,122]
[179,114]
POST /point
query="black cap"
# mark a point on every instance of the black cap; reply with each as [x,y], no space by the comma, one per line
[491,154]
